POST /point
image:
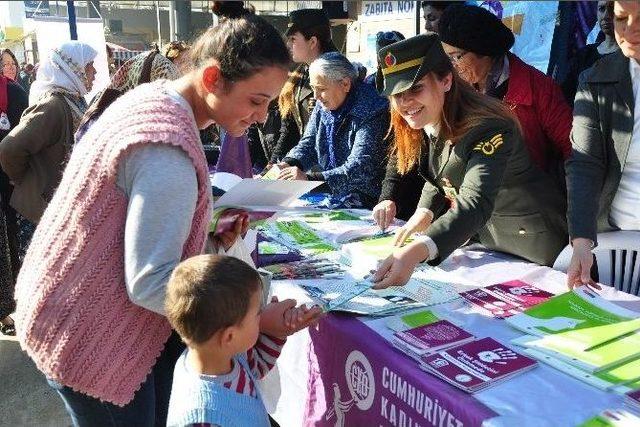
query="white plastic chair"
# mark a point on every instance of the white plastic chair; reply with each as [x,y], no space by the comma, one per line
[618,255]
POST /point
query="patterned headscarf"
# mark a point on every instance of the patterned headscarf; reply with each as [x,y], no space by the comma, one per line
[62,71]
[128,75]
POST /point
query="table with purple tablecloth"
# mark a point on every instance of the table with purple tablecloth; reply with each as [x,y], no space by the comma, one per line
[344,372]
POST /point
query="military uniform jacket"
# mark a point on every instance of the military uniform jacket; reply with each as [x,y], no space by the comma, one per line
[486,185]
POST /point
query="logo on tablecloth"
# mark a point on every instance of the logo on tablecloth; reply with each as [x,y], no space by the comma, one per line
[361,385]
[360,379]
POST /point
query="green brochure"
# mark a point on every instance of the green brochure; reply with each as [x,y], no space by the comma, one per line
[404,322]
[329,216]
[580,309]
[602,357]
[302,236]
[369,251]
[621,379]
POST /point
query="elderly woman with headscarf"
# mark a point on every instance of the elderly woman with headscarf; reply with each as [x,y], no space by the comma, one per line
[343,143]
[34,153]
[478,44]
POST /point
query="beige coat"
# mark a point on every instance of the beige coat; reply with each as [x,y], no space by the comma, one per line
[34,153]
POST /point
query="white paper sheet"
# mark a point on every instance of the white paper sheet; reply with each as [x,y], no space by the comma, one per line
[260,192]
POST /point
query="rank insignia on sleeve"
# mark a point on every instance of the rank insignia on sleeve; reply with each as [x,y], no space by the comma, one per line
[489,147]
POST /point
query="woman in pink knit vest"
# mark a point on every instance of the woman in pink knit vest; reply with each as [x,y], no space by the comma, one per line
[134,201]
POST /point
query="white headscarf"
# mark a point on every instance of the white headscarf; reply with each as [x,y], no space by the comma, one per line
[63,70]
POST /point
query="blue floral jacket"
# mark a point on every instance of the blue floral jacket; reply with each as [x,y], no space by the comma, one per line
[359,146]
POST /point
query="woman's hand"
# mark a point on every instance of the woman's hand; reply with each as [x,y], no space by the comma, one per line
[579,271]
[398,267]
[384,213]
[292,173]
[228,238]
[419,222]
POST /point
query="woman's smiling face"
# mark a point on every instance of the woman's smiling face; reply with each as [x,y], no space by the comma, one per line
[422,104]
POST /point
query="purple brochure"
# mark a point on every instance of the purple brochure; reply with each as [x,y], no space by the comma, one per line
[435,335]
[473,364]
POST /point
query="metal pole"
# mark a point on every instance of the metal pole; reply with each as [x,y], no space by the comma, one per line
[172,21]
[158,23]
[418,27]
[71,12]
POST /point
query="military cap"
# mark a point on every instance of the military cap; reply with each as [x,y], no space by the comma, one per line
[476,30]
[302,19]
[402,64]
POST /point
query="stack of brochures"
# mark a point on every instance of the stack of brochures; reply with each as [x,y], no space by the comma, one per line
[429,339]
[586,336]
[632,400]
[406,321]
[506,299]
[613,418]
[297,234]
[357,297]
[476,365]
[368,251]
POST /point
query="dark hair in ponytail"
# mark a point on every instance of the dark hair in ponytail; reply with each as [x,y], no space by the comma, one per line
[242,47]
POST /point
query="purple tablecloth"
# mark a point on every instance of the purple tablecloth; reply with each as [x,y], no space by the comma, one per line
[357,379]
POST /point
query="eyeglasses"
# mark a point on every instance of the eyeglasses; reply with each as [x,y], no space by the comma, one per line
[457,57]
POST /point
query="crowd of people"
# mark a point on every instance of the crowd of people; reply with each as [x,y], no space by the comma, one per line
[105,206]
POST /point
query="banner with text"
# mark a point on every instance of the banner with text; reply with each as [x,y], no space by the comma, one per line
[358,378]
[387,10]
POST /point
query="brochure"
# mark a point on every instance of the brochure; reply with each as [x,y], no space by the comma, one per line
[264,192]
[596,359]
[619,379]
[272,173]
[223,219]
[402,322]
[296,234]
[352,296]
[632,399]
[571,311]
[362,234]
[506,299]
[311,268]
[429,339]
[422,288]
[329,216]
[368,252]
[613,418]
[477,365]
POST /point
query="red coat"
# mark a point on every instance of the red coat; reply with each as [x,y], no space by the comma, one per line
[543,112]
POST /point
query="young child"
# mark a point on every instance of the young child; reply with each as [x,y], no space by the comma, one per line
[214,303]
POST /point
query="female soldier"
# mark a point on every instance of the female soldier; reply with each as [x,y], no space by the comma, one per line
[479,177]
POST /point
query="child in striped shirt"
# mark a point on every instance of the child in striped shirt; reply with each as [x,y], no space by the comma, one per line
[215,303]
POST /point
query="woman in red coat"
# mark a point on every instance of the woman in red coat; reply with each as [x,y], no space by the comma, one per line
[478,44]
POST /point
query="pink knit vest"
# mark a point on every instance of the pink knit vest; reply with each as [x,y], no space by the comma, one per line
[74,317]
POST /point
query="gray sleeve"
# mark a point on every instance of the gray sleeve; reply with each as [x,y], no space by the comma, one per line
[160,182]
